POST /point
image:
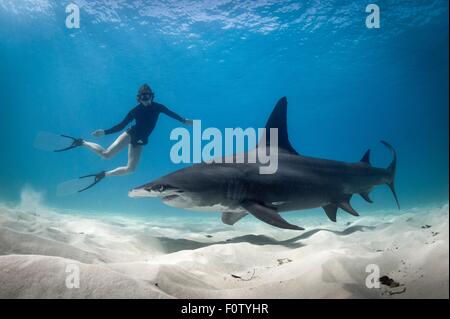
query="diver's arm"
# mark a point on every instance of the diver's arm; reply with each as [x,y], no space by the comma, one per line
[121,125]
[174,115]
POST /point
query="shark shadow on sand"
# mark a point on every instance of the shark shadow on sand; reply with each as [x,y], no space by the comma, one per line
[172,245]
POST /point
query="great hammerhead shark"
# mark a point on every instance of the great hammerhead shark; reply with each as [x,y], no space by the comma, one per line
[300,182]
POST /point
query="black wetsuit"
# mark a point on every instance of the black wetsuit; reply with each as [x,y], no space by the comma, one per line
[146,118]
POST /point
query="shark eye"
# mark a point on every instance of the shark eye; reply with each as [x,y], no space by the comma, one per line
[158,188]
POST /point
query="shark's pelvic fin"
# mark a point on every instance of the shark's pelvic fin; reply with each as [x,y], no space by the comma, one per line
[366,157]
[232,218]
[267,215]
[345,205]
[278,120]
[366,197]
[331,211]
[348,208]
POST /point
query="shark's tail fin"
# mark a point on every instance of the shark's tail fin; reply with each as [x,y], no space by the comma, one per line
[391,171]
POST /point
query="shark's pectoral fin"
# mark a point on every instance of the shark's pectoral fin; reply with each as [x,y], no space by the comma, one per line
[366,197]
[232,218]
[331,211]
[267,215]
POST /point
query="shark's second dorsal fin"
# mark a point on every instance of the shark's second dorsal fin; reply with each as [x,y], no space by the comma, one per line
[278,120]
[366,157]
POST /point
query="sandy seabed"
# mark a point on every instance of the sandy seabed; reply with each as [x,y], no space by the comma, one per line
[157,257]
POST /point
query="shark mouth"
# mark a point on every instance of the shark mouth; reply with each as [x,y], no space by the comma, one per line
[165,192]
[168,198]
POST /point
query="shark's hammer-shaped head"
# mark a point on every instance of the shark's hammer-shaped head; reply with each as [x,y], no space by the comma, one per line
[170,194]
[185,188]
[162,188]
[155,189]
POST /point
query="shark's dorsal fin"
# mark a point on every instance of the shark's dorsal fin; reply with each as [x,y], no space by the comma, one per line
[366,157]
[278,120]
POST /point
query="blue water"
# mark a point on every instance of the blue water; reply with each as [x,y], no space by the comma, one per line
[227,63]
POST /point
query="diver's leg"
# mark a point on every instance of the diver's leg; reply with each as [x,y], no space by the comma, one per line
[113,149]
[134,154]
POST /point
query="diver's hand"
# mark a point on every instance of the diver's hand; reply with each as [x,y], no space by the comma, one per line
[98,133]
[188,122]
